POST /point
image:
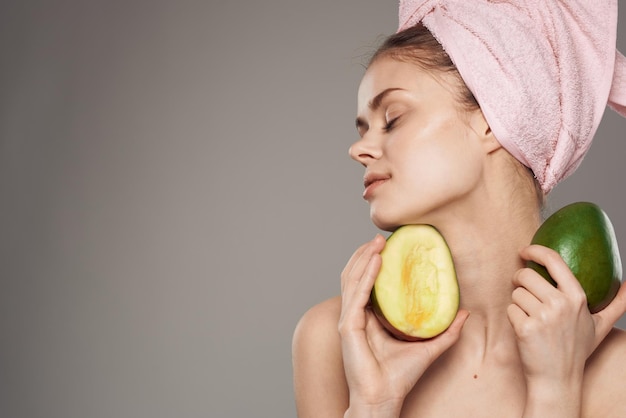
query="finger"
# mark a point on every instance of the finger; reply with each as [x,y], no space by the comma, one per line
[364,287]
[359,260]
[356,257]
[457,325]
[553,262]
[517,318]
[534,283]
[357,294]
[354,302]
[445,340]
[526,301]
[607,317]
[353,260]
[376,333]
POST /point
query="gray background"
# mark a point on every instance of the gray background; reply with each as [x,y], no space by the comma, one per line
[175,191]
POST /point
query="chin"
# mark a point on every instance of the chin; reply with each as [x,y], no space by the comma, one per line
[386,223]
[391,220]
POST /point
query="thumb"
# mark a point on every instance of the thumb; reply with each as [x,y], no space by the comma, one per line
[607,317]
[445,340]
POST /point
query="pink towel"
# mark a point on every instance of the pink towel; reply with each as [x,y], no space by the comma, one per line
[543,71]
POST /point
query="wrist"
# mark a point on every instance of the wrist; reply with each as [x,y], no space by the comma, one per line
[553,398]
[388,409]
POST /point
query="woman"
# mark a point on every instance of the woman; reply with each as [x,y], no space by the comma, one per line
[432,155]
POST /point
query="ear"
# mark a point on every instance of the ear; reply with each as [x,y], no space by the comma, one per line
[481,128]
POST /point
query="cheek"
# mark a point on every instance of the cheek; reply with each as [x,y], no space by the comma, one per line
[448,165]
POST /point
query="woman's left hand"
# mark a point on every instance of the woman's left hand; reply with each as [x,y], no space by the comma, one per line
[555,331]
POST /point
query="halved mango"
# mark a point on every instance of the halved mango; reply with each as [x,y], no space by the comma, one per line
[416,293]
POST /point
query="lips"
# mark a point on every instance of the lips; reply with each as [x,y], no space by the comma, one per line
[371,181]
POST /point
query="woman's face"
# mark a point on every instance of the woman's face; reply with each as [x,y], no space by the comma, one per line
[422,155]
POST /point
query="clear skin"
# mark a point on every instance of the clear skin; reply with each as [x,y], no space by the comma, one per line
[526,350]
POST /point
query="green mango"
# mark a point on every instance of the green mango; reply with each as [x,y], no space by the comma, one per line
[583,235]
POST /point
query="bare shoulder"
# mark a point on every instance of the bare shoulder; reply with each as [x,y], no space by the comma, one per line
[319,380]
[319,318]
[603,394]
[317,329]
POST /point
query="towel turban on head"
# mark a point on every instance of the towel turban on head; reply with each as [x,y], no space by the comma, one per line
[543,71]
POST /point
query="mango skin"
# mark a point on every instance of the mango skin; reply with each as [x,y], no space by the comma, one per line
[583,235]
[416,288]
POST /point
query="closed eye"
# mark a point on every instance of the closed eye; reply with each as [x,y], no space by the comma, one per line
[390,125]
[361,126]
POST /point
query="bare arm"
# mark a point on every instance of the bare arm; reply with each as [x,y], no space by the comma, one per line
[345,363]
[556,334]
[319,380]
[603,394]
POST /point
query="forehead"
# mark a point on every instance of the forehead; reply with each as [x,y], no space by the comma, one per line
[388,73]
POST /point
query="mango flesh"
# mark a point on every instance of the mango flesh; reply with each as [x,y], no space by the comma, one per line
[583,235]
[416,293]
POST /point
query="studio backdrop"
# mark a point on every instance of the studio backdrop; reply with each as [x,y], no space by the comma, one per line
[175,192]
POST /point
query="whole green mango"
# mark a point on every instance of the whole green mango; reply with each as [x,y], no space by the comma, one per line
[583,235]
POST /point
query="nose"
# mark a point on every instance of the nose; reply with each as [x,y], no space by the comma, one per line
[365,150]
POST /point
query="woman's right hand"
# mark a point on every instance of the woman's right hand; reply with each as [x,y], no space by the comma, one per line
[380,369]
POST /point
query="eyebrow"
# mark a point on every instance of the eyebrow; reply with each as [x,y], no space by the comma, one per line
[375,104]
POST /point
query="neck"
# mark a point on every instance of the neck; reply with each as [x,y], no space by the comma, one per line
[485,246]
